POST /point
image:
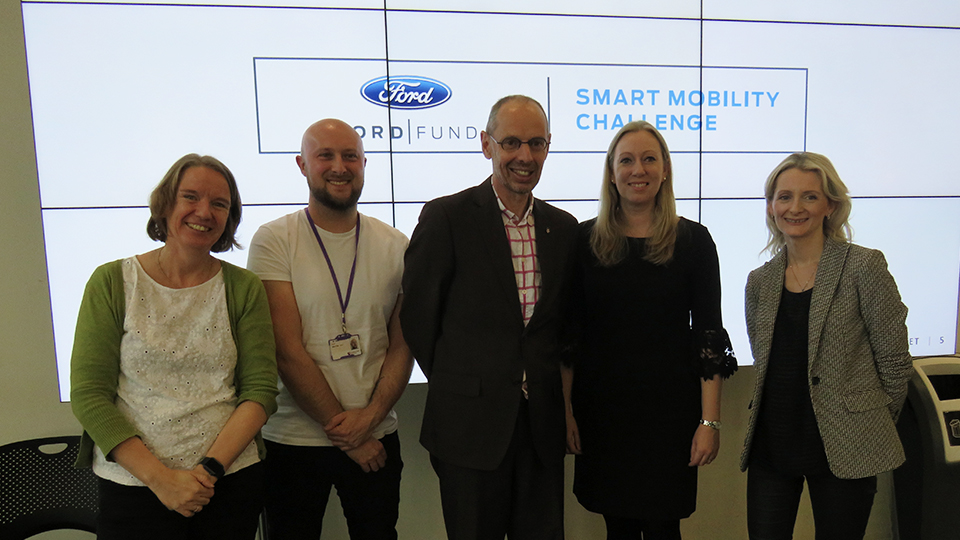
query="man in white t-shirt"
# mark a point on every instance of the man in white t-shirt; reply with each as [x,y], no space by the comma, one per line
[333,280]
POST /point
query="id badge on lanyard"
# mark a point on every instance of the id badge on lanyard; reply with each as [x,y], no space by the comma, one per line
[345,345]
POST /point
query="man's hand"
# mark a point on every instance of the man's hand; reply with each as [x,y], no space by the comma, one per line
[349,429]
[370,455]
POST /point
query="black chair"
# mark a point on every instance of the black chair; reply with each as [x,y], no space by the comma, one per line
[40,490]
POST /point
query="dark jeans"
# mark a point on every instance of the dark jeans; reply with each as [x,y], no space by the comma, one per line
[841,508]
[619,528]
[299,479]
[128,512]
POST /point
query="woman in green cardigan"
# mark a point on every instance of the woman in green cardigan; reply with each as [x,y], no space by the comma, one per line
[174,372]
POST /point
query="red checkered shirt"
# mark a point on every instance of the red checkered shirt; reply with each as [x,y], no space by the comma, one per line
[523,246]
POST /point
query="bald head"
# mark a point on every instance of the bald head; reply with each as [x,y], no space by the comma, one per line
[493,121]
[321,131]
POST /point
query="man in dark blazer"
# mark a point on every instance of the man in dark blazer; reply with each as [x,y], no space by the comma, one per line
[484,283]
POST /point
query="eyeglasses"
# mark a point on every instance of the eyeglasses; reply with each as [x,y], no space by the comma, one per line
[510,144]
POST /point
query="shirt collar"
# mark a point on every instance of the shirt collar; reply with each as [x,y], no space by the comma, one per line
[527,215]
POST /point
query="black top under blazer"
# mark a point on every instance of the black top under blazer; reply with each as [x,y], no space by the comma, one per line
[858,360]
[462,319]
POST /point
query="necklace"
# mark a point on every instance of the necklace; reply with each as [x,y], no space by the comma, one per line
[160,264]
[206,271]
[793,267]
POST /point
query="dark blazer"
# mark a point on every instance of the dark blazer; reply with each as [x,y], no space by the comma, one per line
[858,361]
[462,319]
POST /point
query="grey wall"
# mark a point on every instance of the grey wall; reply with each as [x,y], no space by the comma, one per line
[28,382]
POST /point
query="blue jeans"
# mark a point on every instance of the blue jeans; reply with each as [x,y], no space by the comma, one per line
[841,508]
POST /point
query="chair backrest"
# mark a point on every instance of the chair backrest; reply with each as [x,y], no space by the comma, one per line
[40,490]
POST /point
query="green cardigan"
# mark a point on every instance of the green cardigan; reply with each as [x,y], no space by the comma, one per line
[95,363]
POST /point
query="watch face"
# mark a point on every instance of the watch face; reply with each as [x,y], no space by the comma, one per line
[213,467]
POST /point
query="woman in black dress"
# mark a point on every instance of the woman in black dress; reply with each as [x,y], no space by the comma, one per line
[644,376]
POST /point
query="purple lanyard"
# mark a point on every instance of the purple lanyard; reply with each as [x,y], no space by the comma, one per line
[333,274]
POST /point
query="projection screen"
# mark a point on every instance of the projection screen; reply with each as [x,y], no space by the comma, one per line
[121,90]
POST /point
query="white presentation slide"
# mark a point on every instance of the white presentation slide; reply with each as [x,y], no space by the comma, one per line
[121,90]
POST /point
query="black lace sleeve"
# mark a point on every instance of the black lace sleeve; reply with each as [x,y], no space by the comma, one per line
[716,354]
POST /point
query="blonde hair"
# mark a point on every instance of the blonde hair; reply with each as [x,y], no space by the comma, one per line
[836,226]
[608,241]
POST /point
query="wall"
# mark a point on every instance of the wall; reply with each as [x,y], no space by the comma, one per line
[28,391]
[28,385]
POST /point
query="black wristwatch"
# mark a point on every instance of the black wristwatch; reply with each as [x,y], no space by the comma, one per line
[213,467]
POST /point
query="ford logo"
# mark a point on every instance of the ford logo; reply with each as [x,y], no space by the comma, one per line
[408,92]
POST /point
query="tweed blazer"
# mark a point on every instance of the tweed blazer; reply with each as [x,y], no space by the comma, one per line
[858,356]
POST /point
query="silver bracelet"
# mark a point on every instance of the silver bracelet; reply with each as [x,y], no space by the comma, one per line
[715,424]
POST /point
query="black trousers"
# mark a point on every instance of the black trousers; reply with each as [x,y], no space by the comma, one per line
[522,498]
[299,479]
[841,508]
[619,528]
[129,512]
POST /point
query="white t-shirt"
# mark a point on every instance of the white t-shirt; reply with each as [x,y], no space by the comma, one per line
[287,250]
[177,361]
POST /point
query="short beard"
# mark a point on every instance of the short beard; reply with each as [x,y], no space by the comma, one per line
[323,197]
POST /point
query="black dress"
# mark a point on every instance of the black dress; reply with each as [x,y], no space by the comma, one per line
[637,365]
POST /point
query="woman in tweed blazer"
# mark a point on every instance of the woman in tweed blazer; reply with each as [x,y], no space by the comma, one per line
[829,339]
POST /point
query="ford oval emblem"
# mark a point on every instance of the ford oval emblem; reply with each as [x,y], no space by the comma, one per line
[406,92]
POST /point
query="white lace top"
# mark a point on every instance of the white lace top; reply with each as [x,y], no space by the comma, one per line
[177,360]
